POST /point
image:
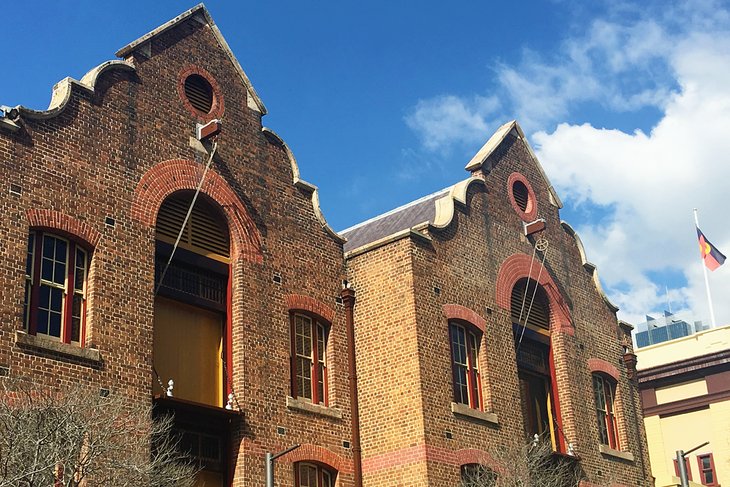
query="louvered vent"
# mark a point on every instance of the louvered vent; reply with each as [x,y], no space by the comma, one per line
[199,92]
[205,233]
[521,194]
[539,314]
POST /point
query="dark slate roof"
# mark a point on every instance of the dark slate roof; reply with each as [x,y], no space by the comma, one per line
[394,221]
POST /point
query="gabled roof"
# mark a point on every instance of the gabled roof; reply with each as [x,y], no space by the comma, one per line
[199,14]
[513,128]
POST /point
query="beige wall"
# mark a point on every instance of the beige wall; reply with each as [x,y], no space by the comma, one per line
[695,345]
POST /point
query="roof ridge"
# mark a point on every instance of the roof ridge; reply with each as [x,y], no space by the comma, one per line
[396,210]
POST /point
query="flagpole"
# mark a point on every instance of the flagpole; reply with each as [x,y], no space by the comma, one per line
[707,281]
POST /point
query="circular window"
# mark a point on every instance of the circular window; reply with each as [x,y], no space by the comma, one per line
[522,197]
[199,93]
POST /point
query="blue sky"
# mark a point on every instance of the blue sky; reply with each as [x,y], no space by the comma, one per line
[627,105]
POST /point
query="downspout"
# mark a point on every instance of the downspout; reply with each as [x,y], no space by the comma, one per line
[348,299]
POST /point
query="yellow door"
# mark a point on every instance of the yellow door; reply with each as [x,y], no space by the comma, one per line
[187,349]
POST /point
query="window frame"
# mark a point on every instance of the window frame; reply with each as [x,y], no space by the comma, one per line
[710,469]
[35,282]
[686,466]
[322,471]
[472,340]
[318,373]
[606,416]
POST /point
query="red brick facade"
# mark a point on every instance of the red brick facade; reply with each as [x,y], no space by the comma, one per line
[96,170]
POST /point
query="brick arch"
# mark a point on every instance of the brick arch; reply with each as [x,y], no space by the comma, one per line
[602,366]
[471,455]
[458,312]
[167,177]
[314,453]
[516,267]
[60,222]
[305,303]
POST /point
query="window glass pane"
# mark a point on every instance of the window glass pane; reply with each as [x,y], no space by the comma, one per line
[327,480]
[320,383]
[29,259]
[48,247]
[47,270]
[321,342]
[60,249]
[80,273]
[307,476]
[54,328]
[59,274]
[42,325]
[56,299]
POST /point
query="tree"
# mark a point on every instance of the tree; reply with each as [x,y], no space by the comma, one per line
[79,437]
[533,464]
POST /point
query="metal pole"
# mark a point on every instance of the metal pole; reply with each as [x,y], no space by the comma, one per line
[270,457]
[348,299]
[269,469]
[682,467]
[707,281]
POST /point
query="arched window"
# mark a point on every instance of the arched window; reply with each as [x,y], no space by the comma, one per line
[467,381]
[477,475]
[604,391]
[56,272]
[314,475]
[530,313]
[309,356]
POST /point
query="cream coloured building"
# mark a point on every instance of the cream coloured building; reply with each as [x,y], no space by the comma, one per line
[685,393]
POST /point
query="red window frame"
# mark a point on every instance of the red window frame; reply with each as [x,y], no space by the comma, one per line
[709,469]
[686,467]
[465,357]
[605,399]
[35,282]
[324,476]
[310,358]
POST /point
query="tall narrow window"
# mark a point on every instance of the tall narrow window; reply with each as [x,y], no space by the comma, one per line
[309,352]
[530,313]
[465,365]
[314,475]
[55,287]
[604,390]
[707,469]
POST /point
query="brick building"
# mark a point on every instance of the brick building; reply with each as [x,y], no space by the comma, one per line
[457,320]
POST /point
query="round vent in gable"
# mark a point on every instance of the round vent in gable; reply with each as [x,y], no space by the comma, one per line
[522,196]
[199,93]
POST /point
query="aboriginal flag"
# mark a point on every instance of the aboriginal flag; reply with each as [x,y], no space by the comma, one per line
[713,258]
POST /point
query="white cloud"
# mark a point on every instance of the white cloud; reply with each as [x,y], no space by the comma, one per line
[446,120]
[674,58]
[653,181]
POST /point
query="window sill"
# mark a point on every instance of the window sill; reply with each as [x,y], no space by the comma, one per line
[483,416]
[622,455]
[303,405]
[60,351]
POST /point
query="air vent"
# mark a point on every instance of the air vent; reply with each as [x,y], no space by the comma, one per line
[521,194]
[199,93]
[205,232]
[539,313]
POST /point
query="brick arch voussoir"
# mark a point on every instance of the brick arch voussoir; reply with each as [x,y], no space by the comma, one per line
[311,305]
[517,266]
[73,227]
[458,312]
[597,365]
[319,454]
[166,177]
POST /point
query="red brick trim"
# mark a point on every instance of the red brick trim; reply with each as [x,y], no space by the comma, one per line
[471,455]
[314,453]
[530,212]
[167,177]
[60,222]
[599,365]
[516,267]
[216,111]
[311,305]
[458,312]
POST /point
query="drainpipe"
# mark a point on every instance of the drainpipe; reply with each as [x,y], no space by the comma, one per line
[348,299]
